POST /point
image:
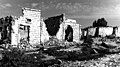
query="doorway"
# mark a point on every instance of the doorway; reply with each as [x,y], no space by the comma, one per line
[69,34]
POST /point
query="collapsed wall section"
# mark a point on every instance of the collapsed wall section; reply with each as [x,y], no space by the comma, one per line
[117,31]
[44,34]
[14,34]
[91,31]
[60,34]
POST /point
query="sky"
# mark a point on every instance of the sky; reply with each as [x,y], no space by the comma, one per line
[83,11]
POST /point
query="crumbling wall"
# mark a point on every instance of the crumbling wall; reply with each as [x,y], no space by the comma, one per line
[44,34]
[35,17]
[59,34]
[76,36]
[14,35]
[117,31]
[75,26]
[84,33]
[23,31]
[80,32]
[32,19]
[105,31]
[69,34]
[91,31]
[18,31]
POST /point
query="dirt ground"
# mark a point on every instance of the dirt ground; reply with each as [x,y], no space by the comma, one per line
[84,54]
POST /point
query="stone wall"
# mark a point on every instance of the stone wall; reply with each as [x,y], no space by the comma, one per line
[14,35]
[31,18]
[91,31]
[60,33]
[105,31]
[76,29]
[84,33]
[80,32]
[35,17]
[102,31]
[44,34]
[38,32]
[117,31]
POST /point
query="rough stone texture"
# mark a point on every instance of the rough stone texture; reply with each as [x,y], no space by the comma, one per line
[76,33]
[59,34]
[103,31]
[75,26]
[117,32]
[35,18]
[38,33]
[0,35]
[14,35]
[44,34]
[85,33]
[91,31]
[80,32]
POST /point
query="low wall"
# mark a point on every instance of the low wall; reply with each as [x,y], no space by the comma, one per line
[105,31]
[91,31]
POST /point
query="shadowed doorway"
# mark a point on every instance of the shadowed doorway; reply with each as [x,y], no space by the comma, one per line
[69,34]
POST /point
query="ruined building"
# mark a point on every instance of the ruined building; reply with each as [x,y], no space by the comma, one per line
[34,30]
[101,31]
[27,27]
[61,28]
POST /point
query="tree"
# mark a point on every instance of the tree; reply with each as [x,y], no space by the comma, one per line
[100,23]
[103,22]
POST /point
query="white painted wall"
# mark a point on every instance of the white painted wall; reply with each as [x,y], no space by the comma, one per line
[59,34]
[44,34]
[76,29]
[14,34]
[103,31]
[91,31]
[117,32]
[35,16]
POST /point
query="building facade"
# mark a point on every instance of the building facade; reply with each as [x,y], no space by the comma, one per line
[31,28]
[27,27]
[74,31]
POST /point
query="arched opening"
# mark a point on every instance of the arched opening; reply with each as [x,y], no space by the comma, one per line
[69,34]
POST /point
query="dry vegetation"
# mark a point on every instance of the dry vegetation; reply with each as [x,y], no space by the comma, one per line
[91,53]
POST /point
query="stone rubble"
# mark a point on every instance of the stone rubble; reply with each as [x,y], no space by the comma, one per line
[106,61]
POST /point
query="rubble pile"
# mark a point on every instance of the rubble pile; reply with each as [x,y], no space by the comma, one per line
[88,54]
[18,58]
[106,61]
[53,41]
[72,54]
